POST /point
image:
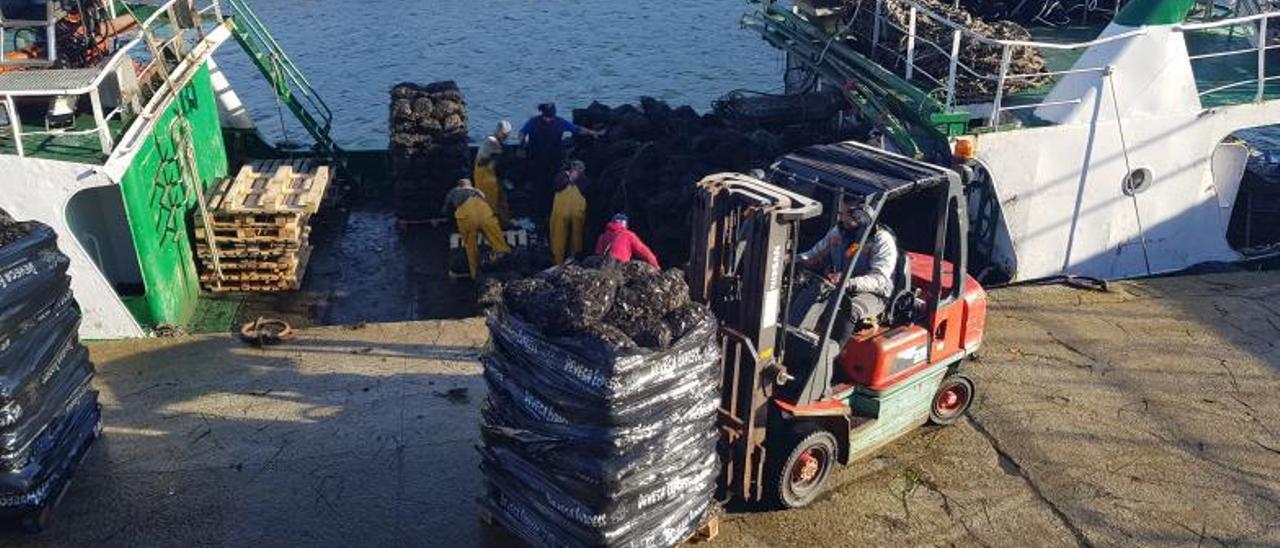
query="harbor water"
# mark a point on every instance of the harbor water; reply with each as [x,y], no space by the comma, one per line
[506,55]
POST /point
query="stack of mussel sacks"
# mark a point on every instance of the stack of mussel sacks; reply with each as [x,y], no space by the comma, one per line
[429,150]
[48,413]
[652,155]
[599,426]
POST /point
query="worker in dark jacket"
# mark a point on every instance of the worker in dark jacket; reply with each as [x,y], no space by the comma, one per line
[620,243]
[543,137]
[474,217]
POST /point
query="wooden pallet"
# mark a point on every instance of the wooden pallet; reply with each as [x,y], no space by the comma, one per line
[249,287]
[286,275]
[283,262]
[220,219]
[706,532]
[273,186]
[258,226]
[225,235]
[254,249]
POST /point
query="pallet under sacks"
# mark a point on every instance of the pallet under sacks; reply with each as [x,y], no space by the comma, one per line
[591,438]
[48,413]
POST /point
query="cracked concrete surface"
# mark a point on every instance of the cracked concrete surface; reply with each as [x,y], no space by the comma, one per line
[1145,415]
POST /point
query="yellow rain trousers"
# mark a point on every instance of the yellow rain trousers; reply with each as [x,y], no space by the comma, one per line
[486,179]
[568,215]
[474,218]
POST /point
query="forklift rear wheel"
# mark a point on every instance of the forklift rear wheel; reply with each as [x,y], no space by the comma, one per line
[952,399]
[801,477]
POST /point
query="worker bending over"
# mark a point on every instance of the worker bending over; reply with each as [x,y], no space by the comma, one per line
[486,171]
[543,137]
[871,282]
[474,218]
[621,244]
[568,212]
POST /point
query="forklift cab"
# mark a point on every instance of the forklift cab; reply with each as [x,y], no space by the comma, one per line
[795,400]
[922,206]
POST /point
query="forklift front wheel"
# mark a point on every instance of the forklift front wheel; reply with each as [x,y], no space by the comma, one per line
[952,399]
[801,477]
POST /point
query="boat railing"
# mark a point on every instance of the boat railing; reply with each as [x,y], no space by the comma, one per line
[140,75]
[993,84]
[287,80]
[904,47]
[1260,28]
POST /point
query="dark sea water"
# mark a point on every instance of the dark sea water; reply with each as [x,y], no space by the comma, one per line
[506,55]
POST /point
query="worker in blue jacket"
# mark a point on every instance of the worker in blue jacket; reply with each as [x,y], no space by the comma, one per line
[543,138]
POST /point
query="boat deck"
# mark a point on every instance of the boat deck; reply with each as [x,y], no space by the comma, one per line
[77,147]
[363,268]
[74,147]
[1102,419]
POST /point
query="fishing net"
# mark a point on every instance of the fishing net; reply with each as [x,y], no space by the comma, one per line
[1052,13]
[977,77]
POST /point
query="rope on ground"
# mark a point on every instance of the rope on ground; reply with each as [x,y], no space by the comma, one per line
[266,331]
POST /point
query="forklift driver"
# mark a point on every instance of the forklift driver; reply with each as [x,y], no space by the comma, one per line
[871,282]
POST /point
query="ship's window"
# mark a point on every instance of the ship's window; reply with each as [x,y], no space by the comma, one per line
[1137,181]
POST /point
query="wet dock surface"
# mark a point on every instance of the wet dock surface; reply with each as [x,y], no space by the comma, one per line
[366,268]
[1144,415]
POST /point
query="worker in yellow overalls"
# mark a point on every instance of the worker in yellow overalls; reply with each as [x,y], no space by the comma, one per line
[568,212]
[486,171]
[474,217]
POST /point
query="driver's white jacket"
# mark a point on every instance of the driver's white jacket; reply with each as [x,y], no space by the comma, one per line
[874,271]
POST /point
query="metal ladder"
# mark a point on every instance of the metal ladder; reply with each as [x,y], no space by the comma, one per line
[290,85]
[180,137]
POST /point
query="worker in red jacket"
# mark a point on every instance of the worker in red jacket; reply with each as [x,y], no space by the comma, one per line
[620,243]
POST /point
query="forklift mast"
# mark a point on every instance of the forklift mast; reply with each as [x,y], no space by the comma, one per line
[744,241]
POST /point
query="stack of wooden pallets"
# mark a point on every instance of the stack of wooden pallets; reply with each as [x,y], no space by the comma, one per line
[259,225]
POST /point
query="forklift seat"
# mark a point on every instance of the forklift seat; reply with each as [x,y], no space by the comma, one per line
[807,305]
[901,308]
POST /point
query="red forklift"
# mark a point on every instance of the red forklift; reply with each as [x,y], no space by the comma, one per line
[794,401]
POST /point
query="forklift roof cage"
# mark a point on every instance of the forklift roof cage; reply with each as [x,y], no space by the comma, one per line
[861,169]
